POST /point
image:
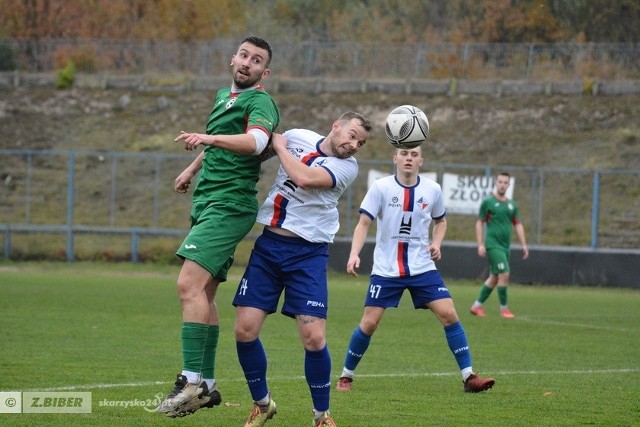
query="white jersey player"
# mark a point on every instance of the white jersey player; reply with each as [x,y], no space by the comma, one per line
[405,205]
[291,256]
[309,213]
[404,217]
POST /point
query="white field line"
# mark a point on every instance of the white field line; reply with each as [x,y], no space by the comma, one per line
[390,375]
[575,325]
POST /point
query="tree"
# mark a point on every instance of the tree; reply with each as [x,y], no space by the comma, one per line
[397,21]
[612,21]
[517,21]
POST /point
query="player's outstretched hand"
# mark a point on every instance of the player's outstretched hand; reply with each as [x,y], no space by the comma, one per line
[191,141]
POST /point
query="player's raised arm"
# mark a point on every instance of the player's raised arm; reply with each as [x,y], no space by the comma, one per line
[240,144]
[357,242]
[302,175]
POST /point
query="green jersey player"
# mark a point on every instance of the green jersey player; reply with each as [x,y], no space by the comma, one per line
[499,214]
[224,210]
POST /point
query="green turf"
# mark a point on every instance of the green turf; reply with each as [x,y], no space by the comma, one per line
[569,358]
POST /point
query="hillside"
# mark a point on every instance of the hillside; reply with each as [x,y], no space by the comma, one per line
[573,132]
[550,131]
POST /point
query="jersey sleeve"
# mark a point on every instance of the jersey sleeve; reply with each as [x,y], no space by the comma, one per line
[371,202]
[439,210]
[343,172]
[264,114]
[516,214]
[482,213]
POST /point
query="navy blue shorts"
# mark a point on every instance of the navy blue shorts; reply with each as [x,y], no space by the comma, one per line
[290,264]
[387,291]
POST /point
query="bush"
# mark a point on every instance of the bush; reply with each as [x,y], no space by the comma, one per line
[66,76]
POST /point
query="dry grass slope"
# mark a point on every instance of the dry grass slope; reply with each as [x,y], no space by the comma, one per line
[584,132]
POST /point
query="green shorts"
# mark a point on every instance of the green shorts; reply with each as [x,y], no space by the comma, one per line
[498,260]
[216,230]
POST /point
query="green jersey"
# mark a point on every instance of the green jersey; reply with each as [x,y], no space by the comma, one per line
[226,175]
[499,217]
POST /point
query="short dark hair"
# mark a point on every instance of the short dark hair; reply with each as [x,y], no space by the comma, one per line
[364,122]
[504,174]
[262,44]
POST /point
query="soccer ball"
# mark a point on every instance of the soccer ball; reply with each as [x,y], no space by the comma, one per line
[407,127]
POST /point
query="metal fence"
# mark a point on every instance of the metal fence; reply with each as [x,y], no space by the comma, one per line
[515,61]
[119,204]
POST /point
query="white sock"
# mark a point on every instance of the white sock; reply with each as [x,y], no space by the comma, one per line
[211,383]
[466,373]
[193,377]
[347,373]
[317,414]
[264,401]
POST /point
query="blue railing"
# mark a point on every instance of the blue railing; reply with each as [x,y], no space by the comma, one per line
[131,194]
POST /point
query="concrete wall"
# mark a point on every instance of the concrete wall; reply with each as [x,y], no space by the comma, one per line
[321,85]
[546,264]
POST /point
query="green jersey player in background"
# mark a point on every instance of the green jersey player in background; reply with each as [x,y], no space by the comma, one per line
[499,214]
[223,212]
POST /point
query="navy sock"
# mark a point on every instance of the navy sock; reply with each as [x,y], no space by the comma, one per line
[357,347]
[457,340]
[317,370]
[253,361]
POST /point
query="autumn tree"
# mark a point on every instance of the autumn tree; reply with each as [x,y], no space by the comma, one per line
[121,19]
[387,21]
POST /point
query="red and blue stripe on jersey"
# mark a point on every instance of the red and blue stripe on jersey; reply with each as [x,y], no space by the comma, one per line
[280,202]
[279,210]
[309,158]
[403,247]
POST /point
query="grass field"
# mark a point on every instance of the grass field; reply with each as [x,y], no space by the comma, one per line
[569,358]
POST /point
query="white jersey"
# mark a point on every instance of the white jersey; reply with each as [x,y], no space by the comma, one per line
[404,216]
[313,213]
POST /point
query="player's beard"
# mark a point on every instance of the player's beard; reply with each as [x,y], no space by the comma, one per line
[342,153]
[244,84]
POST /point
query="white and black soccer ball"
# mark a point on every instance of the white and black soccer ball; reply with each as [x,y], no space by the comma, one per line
[406,127]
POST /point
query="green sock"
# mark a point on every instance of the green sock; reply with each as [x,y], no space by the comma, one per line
[209,362]
[502,295]
[194,337]
[485,291]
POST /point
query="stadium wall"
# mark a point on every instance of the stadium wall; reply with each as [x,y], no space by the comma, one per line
[328,85]
[549,265]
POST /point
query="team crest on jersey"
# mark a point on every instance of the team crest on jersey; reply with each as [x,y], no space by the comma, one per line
[230,103]
[405,224]
[421,203]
